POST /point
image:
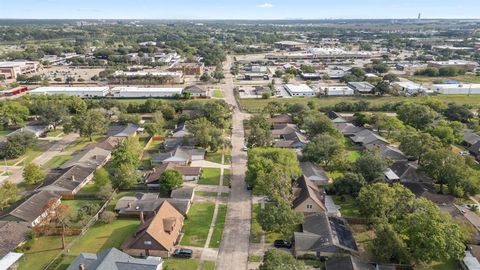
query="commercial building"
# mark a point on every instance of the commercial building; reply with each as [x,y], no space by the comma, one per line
[10,70]
[457,89]
[84,92]
[336,90]
[361,87]
[136,92]
[300,90]
[410,87]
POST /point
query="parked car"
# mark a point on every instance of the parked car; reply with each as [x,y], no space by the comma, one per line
[245,149]
[282,244]
[183,253]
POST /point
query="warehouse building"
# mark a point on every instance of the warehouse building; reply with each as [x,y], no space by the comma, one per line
[361,87]
[337,90]
[136,92]
[410,88]
[301,90]
[457,89]
[84,92]
[176,77]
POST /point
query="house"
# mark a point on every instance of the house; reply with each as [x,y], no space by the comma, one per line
[196,91]
[182,155]
[353,263]
[12,235]
[71,181]
[361,87]
[279,130]
[324,236]
[404,171]
[314,173]
[183,193]
[390,152]
[470,137]
[34,209]
[292,140]
[309,198]
[368,138]
[113,259]
[35,130]
[475,150]
[88,157]
[158,235]
[188,173]
[281,119]
[348,129]
[471,261]
[180,131]
[148,203]
[122,131]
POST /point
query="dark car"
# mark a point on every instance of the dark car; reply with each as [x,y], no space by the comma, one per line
[282,244]
[183,253]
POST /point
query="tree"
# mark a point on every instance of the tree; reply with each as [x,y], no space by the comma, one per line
[53,113]
[105,192]
[170,180]
[318,123]
[387,123]
[18,143]
[390,77]
[156,126]
[13,113]
[61,216]
[260,134]
[275,259]
[88,124]
[448,132]
[389,246]
[126,176]
[101,178]
[416,115]
[372,166]
[321,149]
[205,133]
[286,78]
[280,218]
[349,184]
[127,152]
[382,88]
[205,77]
[218,113]
[32,174]
[218,73]
[459,113]
[417,144]
[8,194]
[107,217]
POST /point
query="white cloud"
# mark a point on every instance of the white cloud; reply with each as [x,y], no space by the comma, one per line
[266,5]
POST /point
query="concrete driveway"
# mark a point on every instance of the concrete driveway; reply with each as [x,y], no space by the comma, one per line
[233,253]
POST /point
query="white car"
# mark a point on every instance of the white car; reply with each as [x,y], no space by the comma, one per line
[245,148]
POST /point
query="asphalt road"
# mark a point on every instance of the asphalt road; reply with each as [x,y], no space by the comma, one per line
[233,253]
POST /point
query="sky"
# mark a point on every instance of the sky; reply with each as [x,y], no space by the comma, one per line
[238,9]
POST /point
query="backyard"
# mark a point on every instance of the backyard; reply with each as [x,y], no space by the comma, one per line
[197,224]
[348,206]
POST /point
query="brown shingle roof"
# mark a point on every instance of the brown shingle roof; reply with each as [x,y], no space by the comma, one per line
[308,190]
[154,175]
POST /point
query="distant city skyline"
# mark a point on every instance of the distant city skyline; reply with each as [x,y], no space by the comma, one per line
[240,9]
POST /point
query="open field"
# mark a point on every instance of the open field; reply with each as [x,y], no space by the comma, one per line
[197,224]
[256,105]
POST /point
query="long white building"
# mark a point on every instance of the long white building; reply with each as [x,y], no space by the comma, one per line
[457,89]
[137,92]
[337,90]
[84,92]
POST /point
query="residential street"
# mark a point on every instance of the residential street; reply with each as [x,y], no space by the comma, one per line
[233,253]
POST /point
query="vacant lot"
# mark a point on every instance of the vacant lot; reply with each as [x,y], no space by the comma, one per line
[197,224]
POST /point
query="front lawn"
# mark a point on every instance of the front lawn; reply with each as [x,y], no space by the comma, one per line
[227,177]
[181,264]
[210,194]
[218,231]
[39,148]
[217,93]
[42,251]
[214,156]
[256,229]
[56,161]
[54,133]
[447,265]
[208,265]
[197,224]
[102,236]
[82,142]
[210,176]
[348,206]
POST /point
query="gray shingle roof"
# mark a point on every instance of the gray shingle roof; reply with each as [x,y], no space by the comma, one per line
[122,131]
[12,234]
[93,157]
[314,172]
[113,259]
[34,206]
[70,179]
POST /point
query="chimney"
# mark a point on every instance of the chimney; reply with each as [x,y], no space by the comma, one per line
[142,218]
[81,266]
[73,177]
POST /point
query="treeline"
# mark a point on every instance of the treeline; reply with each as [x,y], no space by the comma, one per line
[440,72]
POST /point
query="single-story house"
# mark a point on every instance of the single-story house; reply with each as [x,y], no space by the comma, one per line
[471,260]
[89,157]
[107,144]
[288,136]
[315,173]
[188,173]
[180,131]
[148,203]
[122,131]
[183,193]
[281,119]
[324,236]
[392,153]
[470,138]
[353,263]
[12,235]
[368,138]
[34,209]
[158,235]
[114,259]
[361,87]
[309,198]
[182,155]
[348,129]
[71,181]
[196,91]
[35,130]
[407,172]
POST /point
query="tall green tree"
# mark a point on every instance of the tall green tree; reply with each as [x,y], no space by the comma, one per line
[260,134]
[416,115]
[32,174]
[13,113]
[127,152]
[8,194]
[88,124]
[417,144]
[275,259]
[321,149]
[372,166]
[170,180]
[280,218]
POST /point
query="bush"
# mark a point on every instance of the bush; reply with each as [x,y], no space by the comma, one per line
[107,217]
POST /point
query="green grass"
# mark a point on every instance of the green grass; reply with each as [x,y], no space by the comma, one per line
[257,105]
[227,177]
[82,142]
[4,133]
[57,161]
[54,133]
[256,230]
[254,258]
[102,236]
[214,156]
[88,189]
[208,265]
[42,251]
[211,194]
[334,174]
[210,176]
[217,93]
[448,265]
[197,224]
[218,231]
[32,153]
[462,78]
[348,206]
[353,155]
[181,264]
